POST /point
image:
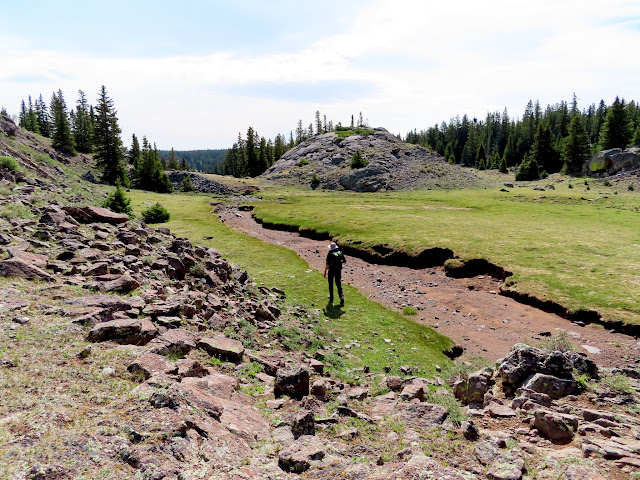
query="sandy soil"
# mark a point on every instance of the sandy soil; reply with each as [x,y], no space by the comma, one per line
[470,311]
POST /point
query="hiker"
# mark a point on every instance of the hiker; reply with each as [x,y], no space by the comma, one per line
[335,259]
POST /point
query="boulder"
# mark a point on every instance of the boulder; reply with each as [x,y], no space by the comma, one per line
[423,415]
[217,384]
[292,381]
[507,466]
[304,423]
[557,427]
[223,347]
[15,267]
[152,364]
[298,456]
[91,214]
[552,386]
[124,331]
[177,341]
[472,390]
[108,302]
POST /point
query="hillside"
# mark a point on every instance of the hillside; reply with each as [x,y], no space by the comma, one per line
[324,161]
[128,352]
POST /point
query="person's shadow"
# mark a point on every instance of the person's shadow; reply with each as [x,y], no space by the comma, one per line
[333,311]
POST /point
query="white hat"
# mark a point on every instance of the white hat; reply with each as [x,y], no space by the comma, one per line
[333,246]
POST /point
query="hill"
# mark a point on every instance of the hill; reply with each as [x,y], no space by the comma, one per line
[324,161]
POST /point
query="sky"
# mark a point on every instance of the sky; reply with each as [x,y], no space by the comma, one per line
[195,74]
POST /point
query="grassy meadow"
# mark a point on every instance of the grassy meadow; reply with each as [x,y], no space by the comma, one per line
[578,245]
[383,337]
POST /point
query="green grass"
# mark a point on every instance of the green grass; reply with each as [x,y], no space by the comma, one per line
[361,320]
[570,245]
[354,131]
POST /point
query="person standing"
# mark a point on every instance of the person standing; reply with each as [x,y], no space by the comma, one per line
[335,259]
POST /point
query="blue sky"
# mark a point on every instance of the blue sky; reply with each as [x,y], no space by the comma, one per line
[193,75]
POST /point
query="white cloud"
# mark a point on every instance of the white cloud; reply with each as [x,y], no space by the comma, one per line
[428,60]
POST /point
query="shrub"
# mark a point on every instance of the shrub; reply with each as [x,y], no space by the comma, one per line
[409,311]
[118,202]
[630,188]
[606,182]
[315,180]
[156,214]
[528,169]
[8,163]
[358,161]
[560,343]
[302,162]
[186,185]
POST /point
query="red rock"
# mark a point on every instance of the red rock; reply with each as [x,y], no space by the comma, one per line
[137,332]
[15,267]
[152,364]
[221,346]
[91,214]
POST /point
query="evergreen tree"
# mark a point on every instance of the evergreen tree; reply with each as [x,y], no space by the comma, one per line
[251,154]
[576,146]
[32,119]
[42,114]
[149,174]
[83,125]
[502,167]
[172,162]
[299,132]
[109,153]
[61,136]
[23,116]
[134,155]
[183,165]
[481,156]
[636,138]
[118,202]
[528,169]
[542,151]
[319,128]
[616,131]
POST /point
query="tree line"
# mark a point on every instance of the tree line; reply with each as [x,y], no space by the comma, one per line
[253,155]
[558,138]
[95,130]
[207,161]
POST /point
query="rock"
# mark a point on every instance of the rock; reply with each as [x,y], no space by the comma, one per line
[95,214]
[15,267]
[411,391]
[177,341]
[217,384]
[395,383]
[107,302]
[473,389]
[507,466]
[497,410]
[50,472]
[358,393]
[321,389]
[298,456]
[283,435]
[119,284]
[292,381]
[303,424]
[557,427]
[423,415]
[580,472]
[552,386]
[152,364]
[223,347]
[191,368]
[123,331]
[469,431]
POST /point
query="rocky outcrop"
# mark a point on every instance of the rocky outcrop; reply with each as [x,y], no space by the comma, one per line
[613,161]
[325,161]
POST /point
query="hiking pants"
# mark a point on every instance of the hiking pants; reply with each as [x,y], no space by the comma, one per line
[335,276]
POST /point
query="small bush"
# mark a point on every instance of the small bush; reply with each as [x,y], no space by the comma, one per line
[556,343]
[8,163]
[617,383]
[358,161]
[186,185]
[156,214]
[606,182]
[118,202]
[528,169]
[409,311]
[302,162]
[630,188]
[315,180]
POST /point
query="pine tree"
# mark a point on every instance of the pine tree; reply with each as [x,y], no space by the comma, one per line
[172,162]
[542,151]
[23,116]
[32,119]
[528,169]
[617,128]
[576,146]
[318,123]
[44,120]
[83,125]
[61,136]
[149,175]
[636,138]
[251,154]
[134,155]
[481,157]
[109,153]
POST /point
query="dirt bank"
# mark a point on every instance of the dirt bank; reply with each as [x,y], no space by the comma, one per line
[470,310]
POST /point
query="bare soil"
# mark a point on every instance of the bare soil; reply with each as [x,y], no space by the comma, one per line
[470,311]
